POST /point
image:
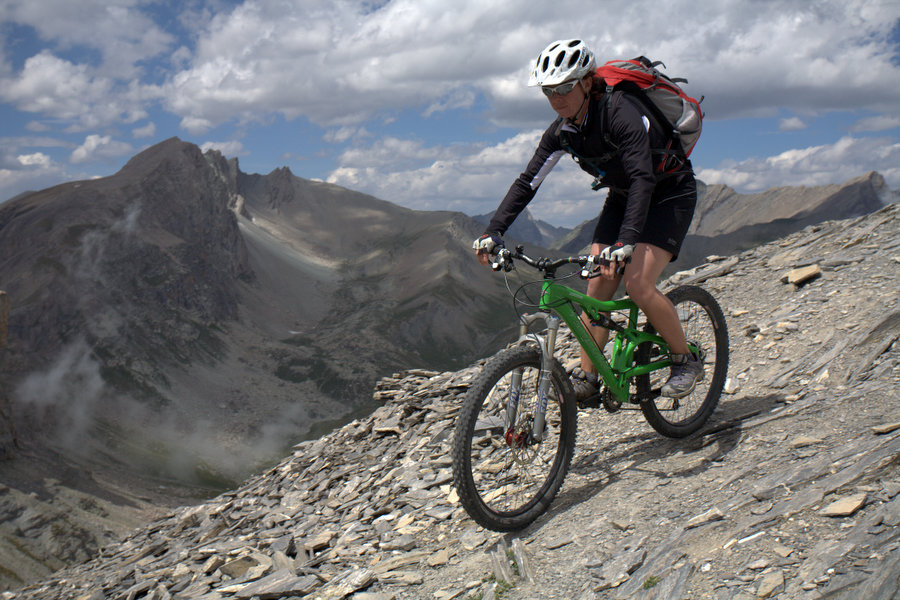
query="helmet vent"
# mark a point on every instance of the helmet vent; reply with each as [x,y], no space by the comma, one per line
[562,60]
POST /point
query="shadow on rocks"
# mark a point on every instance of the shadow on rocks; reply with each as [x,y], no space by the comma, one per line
[604,461]
[732,412]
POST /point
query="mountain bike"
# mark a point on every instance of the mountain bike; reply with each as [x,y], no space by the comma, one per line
[515,432]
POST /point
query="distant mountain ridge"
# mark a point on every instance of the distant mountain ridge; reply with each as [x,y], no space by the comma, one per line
[528,230]
[726,221]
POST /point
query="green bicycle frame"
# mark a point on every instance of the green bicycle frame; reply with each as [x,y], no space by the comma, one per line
[618,371]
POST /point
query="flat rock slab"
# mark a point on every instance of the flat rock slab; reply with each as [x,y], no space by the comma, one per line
[845,507]
[886,428]
[771,585]
[279,585]
[804,274]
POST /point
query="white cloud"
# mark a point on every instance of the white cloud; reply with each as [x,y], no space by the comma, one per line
[456,99]
[148,130]
[390,153]
[37,126]
[849,157]
[119,30]
[13,155]
[232,148]
[54,87]
[791,124]
[340,63]
[876,123]
[88,73]
[196,125]
[344,134]
[38,159]
[97,147]
[62,90]
[469,179]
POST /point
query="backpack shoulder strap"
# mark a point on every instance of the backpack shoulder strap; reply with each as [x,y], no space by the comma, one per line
[606,108]
[566,145]
[673,155]
[644,105]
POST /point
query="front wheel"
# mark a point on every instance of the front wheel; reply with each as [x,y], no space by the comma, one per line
[504,477]
[704,326]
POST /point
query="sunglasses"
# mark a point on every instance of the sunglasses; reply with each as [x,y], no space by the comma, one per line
[561,89]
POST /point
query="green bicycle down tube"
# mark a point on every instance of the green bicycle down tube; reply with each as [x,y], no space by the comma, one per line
[616,377]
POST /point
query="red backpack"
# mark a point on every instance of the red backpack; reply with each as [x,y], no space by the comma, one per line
[676,114]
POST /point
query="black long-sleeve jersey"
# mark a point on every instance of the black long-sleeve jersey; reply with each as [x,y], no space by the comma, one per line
[627,168]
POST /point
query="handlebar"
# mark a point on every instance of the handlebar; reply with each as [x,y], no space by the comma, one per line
[504,260]
[588,263]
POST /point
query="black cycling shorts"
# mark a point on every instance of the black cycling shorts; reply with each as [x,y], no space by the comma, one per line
[668,218]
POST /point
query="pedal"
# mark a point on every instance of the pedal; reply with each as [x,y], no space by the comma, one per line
[611,405]
[591,401]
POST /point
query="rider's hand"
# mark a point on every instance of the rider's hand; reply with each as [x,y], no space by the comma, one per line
[617,254]
[486,245]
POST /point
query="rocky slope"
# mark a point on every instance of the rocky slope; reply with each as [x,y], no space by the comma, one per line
[792,490]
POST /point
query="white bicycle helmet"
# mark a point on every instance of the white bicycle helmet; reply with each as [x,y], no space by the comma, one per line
[561,61]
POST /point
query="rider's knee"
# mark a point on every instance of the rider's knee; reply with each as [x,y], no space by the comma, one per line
[601,289]
[640,290]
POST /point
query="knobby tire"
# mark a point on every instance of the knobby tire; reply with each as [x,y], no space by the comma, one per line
[704,324]
[505,486]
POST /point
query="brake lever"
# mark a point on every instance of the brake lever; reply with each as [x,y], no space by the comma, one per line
[591,268]
[503,261]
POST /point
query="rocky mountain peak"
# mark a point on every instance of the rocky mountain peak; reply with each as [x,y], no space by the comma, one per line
[172,152]
[227,168]
[125,275]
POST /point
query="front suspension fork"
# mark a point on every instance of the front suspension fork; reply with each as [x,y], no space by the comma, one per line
[547,344]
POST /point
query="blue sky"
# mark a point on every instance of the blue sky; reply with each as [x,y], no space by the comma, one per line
[423,102]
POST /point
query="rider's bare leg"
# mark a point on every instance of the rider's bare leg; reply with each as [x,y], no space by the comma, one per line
[601,289]
[647,264]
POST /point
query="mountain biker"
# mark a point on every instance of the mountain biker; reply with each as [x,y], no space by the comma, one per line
[645,217]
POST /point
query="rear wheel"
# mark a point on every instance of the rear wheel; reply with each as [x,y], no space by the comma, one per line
[504,477]
[704,326]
